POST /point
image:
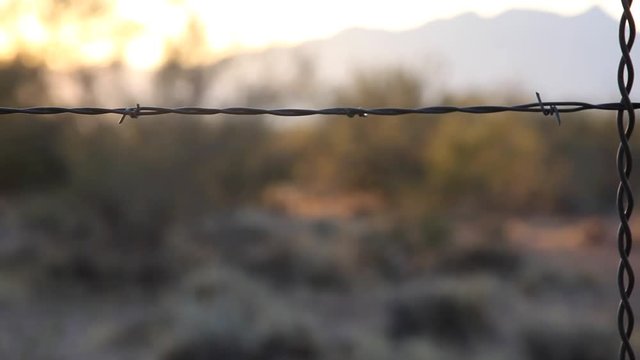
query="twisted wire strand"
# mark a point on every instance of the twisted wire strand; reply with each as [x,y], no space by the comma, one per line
[546,108]
[625,201]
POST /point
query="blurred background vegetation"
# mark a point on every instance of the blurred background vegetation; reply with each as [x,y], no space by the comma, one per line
[176,238]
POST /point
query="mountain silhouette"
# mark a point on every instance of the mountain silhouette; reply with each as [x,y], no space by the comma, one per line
[519,51]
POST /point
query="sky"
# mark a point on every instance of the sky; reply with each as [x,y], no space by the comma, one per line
[143,33]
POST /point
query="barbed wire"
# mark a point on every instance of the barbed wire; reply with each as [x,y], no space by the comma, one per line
[545,108]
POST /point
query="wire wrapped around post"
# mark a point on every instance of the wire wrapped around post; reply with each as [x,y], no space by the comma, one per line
[626,123]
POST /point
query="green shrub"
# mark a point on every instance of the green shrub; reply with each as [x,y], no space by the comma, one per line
[223,314]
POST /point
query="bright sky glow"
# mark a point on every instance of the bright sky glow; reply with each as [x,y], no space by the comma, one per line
[140,32]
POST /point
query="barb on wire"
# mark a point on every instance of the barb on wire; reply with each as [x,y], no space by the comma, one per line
[624,201]
[552,108]
[131,112]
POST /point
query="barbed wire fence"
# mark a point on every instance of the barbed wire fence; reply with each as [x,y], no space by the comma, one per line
[625,125]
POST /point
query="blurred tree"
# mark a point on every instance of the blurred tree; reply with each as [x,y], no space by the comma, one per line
[497,162]
[141,180]
[56,27]
[585,152]
[375,154]
[29,157]
[22,83]
[181,80]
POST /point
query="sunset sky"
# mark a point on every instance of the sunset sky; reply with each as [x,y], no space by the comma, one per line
[63,34]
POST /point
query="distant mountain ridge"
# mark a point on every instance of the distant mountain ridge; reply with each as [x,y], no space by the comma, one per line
[522,51]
